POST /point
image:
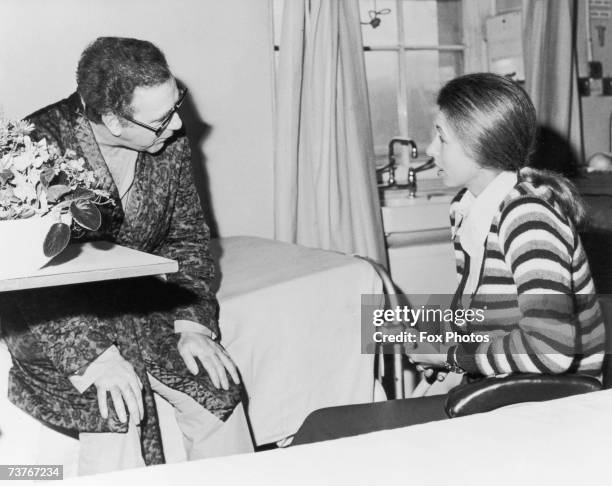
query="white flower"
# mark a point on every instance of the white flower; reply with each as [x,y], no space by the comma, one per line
[4,161]
[22,193]
[23,189]
[76,164]
[22,161]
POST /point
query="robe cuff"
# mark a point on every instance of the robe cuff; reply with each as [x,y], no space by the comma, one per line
[87,375]
[184,325]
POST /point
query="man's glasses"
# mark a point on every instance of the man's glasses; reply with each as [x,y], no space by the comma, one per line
[166,121]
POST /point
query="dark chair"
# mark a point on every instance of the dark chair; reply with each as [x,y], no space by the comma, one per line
[492,393]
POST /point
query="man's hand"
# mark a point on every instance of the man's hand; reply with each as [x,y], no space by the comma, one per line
[213,357]
[119,378]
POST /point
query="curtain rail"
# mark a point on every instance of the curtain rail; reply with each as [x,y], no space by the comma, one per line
[450,47]
[447,48]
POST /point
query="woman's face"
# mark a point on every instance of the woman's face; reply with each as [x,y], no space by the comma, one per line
[456,167]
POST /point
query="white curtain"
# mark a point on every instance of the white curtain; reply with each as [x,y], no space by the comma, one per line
[550,67]
[325,184]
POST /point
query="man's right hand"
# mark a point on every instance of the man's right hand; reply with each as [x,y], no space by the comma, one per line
[118,378]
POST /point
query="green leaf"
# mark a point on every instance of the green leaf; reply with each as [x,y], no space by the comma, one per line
[57,239]
[46,176]
[57,191]
[86,214]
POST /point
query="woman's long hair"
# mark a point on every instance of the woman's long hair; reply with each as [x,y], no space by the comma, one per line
[496,123]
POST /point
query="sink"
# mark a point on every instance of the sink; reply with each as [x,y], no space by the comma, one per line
[427,211]
[398,196]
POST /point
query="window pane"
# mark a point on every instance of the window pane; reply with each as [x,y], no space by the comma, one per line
[420,22]
[450,22]
[451,65]
[426,72]
[381,69]
[423,82]
[386,32]
[432,22]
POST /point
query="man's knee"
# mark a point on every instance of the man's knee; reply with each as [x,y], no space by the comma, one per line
[224,402]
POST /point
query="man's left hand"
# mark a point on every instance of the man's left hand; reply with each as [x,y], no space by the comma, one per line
[212,355]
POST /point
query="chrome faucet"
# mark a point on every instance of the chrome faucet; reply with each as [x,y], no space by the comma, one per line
[412,178]
[391,165]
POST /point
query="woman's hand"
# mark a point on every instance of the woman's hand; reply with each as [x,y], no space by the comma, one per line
[427,355]
[213,357]
[428,360]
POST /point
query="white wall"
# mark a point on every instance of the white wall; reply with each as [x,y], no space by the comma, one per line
[222,50]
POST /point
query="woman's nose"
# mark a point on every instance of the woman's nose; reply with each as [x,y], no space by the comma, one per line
[432,148]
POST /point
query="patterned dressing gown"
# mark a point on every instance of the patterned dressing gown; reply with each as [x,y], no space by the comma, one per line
[56,332]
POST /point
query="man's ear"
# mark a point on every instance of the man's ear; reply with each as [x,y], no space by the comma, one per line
[112,122]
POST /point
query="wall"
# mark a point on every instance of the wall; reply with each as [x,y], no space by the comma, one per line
[220,50]
[596,108]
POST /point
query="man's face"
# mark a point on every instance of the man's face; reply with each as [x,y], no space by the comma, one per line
[151,106]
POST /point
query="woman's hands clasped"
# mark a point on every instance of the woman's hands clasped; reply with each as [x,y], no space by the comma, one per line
[428,360]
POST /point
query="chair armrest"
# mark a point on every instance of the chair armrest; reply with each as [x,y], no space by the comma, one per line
[491,393]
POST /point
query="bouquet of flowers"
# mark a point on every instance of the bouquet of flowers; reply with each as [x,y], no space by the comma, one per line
[36,180]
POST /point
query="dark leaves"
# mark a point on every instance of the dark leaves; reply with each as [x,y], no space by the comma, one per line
[5,176]
[86,214]
[57,191]
[46,176]
[57,239]
[62,179]
[81,193]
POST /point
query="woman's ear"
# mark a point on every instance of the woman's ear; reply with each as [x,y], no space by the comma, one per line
[112,122]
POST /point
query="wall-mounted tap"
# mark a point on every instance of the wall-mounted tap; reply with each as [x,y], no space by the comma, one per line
[414,152]
[412,178]
[392,165]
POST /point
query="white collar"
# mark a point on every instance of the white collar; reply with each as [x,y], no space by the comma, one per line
[475,215]
[478,212]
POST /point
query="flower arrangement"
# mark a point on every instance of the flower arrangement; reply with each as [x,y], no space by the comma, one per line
[36,180]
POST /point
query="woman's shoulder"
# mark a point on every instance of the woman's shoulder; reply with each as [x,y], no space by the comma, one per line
[526,204]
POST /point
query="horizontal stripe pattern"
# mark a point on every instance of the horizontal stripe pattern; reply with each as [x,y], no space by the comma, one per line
[536,286]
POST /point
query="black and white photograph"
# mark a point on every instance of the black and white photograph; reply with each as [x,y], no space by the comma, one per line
[310,242]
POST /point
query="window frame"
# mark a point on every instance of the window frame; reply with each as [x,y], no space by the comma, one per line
[402,85]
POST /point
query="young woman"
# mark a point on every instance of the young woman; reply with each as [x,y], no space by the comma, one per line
[519,258]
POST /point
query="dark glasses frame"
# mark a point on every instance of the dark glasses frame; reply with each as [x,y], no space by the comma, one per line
[166,121]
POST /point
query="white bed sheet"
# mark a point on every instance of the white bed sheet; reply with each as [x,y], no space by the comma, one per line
[561,442]
[290,318]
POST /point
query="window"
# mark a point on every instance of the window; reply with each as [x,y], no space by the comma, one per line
[416,48]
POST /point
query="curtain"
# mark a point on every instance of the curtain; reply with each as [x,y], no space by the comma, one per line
[325,192]
[551,81]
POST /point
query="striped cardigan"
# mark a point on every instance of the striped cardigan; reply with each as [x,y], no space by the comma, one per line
[535,286]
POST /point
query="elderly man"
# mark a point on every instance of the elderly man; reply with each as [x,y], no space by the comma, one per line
[88,358]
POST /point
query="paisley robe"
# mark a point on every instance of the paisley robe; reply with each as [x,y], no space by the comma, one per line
[53,333]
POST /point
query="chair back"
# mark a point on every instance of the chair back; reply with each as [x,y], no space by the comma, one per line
[605,302]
